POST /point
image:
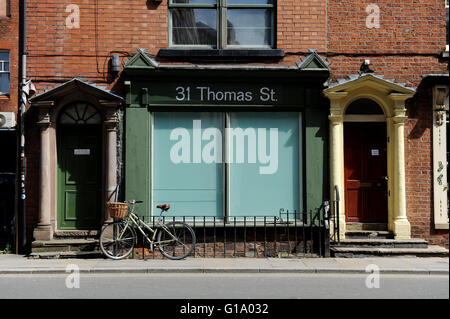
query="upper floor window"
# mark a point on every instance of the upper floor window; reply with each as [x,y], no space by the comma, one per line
[4,72]
[221,24]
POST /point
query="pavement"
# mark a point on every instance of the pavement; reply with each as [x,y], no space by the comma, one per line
[18,264]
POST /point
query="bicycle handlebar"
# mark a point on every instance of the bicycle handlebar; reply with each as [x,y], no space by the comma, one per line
[133,201]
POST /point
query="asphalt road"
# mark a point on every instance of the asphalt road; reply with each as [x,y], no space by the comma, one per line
[223,286]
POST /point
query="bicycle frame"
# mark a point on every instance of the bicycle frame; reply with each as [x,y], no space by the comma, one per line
[134,221]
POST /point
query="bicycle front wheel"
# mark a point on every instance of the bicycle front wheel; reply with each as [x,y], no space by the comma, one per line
[176,240]
[117,240]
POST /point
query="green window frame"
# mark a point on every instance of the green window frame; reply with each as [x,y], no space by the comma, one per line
[221,24]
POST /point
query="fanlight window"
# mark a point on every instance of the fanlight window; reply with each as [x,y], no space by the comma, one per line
[80,114]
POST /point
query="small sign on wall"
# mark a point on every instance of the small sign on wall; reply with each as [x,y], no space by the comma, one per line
[82,151]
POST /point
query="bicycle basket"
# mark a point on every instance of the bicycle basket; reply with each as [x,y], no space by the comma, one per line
[117,210]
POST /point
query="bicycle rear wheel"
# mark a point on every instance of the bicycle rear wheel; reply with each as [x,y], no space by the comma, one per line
[176,240]
[117,240]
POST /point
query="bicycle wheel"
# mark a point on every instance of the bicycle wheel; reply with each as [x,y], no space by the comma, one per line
[117,240]
[176,240]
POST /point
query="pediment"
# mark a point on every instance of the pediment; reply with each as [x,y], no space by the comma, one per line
[76,86]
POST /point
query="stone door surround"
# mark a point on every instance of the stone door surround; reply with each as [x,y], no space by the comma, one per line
[50,104]
[391,98]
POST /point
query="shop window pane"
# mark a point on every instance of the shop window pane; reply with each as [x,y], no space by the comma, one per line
[249,27]
[188,169]
[266,176]
[194,26]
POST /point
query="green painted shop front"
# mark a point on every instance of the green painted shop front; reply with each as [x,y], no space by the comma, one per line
[225,142]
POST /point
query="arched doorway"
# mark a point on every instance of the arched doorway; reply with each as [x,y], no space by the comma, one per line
[79,174]
[391,97]
[365,163]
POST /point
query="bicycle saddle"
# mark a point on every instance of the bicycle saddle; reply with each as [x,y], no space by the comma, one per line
[164,207]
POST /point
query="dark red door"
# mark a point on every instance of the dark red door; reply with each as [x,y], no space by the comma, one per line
[365,159]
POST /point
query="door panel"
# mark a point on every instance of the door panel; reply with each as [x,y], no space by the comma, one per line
[79,182]
[365,157]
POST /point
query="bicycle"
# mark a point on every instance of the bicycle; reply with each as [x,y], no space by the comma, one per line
[175,240]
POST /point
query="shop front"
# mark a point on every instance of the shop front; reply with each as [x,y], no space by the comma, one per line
[225,142]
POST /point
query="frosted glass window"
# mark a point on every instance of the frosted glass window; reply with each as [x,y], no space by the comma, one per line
[188,168]
[267,177]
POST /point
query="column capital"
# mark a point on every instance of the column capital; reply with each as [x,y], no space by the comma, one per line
[111,119]
[399,119]
[44,116]
[336,118]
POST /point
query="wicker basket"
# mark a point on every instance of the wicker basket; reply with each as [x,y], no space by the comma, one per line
[117,210]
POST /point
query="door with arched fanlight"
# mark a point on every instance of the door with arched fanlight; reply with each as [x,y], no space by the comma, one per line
[365,163]
[79,134]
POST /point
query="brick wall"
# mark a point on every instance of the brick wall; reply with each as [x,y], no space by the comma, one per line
[59,53]
[419,168]
[407,45]
[9,40]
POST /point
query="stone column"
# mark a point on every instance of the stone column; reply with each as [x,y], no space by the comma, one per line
[44,230]
[111,122]
[402,227]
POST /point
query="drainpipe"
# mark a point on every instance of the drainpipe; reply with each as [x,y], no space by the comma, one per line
[21,225]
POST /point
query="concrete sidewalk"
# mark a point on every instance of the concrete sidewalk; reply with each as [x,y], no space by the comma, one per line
[16,264]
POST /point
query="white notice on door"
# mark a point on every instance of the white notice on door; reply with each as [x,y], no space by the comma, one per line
[375,152]
[82,151]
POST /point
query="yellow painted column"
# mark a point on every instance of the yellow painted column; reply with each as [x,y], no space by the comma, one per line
[401,225]
[337,155]
[402,228]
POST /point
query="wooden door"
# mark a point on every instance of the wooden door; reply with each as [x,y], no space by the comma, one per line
[365,158]
[79,182]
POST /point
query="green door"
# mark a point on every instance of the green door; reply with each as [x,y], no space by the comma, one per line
[79,182]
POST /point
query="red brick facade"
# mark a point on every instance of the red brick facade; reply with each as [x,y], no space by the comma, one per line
[407,45]
[9,40]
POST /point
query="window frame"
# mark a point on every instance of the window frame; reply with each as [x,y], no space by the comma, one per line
[221,8]
[2,71]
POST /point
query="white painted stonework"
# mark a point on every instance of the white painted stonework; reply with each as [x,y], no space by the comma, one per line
[440,185]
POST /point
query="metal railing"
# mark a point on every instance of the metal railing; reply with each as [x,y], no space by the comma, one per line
[290,234]
[334,217]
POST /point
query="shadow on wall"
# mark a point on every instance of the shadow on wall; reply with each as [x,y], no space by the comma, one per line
[419,108]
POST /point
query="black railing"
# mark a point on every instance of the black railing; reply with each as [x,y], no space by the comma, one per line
[334,217]
[290,234]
